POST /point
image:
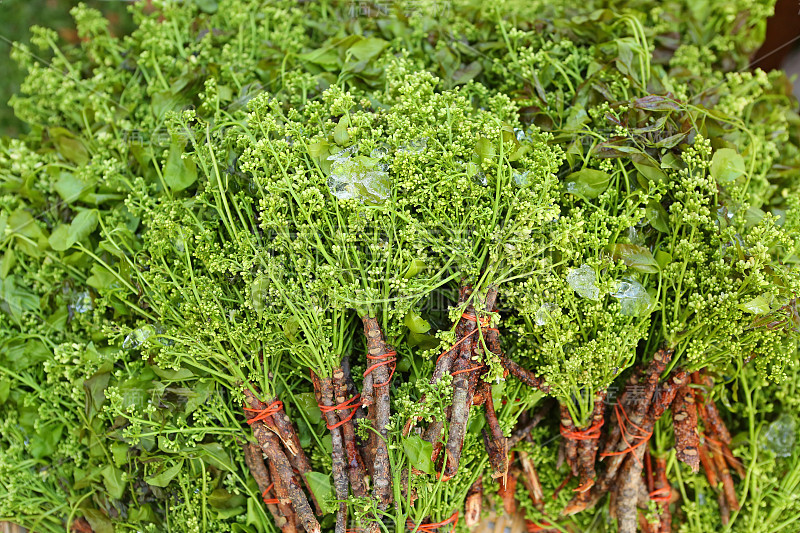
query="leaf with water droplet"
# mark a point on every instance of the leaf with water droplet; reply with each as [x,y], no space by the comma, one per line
[657,216]
[588,183]
[634,298]
[584,281]
[637,257]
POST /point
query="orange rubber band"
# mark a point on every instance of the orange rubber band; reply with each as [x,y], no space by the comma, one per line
[263,414]
[269,501]
[643,438]
[353,403]
[467,370]
[470,318]
[662,495]
[533,527]
[590,433]
[384,359]
[426,528]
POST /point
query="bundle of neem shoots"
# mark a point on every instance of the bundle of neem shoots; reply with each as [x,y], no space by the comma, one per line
[353,267]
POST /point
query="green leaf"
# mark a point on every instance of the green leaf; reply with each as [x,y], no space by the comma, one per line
[46,441]
[71,188]
[170,374]
[466,73]
[416,323]
[637,257]
[72,149]
[588,183]
[308,404]
[207,6]
[119,451]
[657,216]
[485,149]
[59,239]
[650,172]
[163,479]
[367,49]
[95,388]
[112,479]
[419,453]
[8,262]
[83,224]
[23,353]
[81,227]
[215,455]
[16,299]
[179,173]
[758,305]
[726,165]
[5,389]
[414,268]
[321,487]
[99,522]
[340,134]
[663,258]
[201,392]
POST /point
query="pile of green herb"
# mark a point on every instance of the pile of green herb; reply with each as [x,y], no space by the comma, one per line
[338,267]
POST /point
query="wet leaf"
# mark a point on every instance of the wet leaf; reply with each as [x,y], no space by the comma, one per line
[758,305]
[485,149]
[637,257]
[308,404]
[588,183]
[657,216]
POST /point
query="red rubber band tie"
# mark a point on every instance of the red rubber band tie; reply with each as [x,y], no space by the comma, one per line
[388,358]
[263,414]
[532,527]
[427,528]
[590,433]
[619,411]
[353,404]
[269,501]
[472,318]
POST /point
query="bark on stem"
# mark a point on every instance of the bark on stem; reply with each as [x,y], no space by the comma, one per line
[684,420]
[323,388]
[495,442]
[271,445]
[355,468]
[377,348]
[258,469]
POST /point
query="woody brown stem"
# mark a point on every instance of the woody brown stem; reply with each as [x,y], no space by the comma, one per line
[495,441]
[323,388]
[355,468]
[258,469]
[272,448]
[684,419]
[377,348]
